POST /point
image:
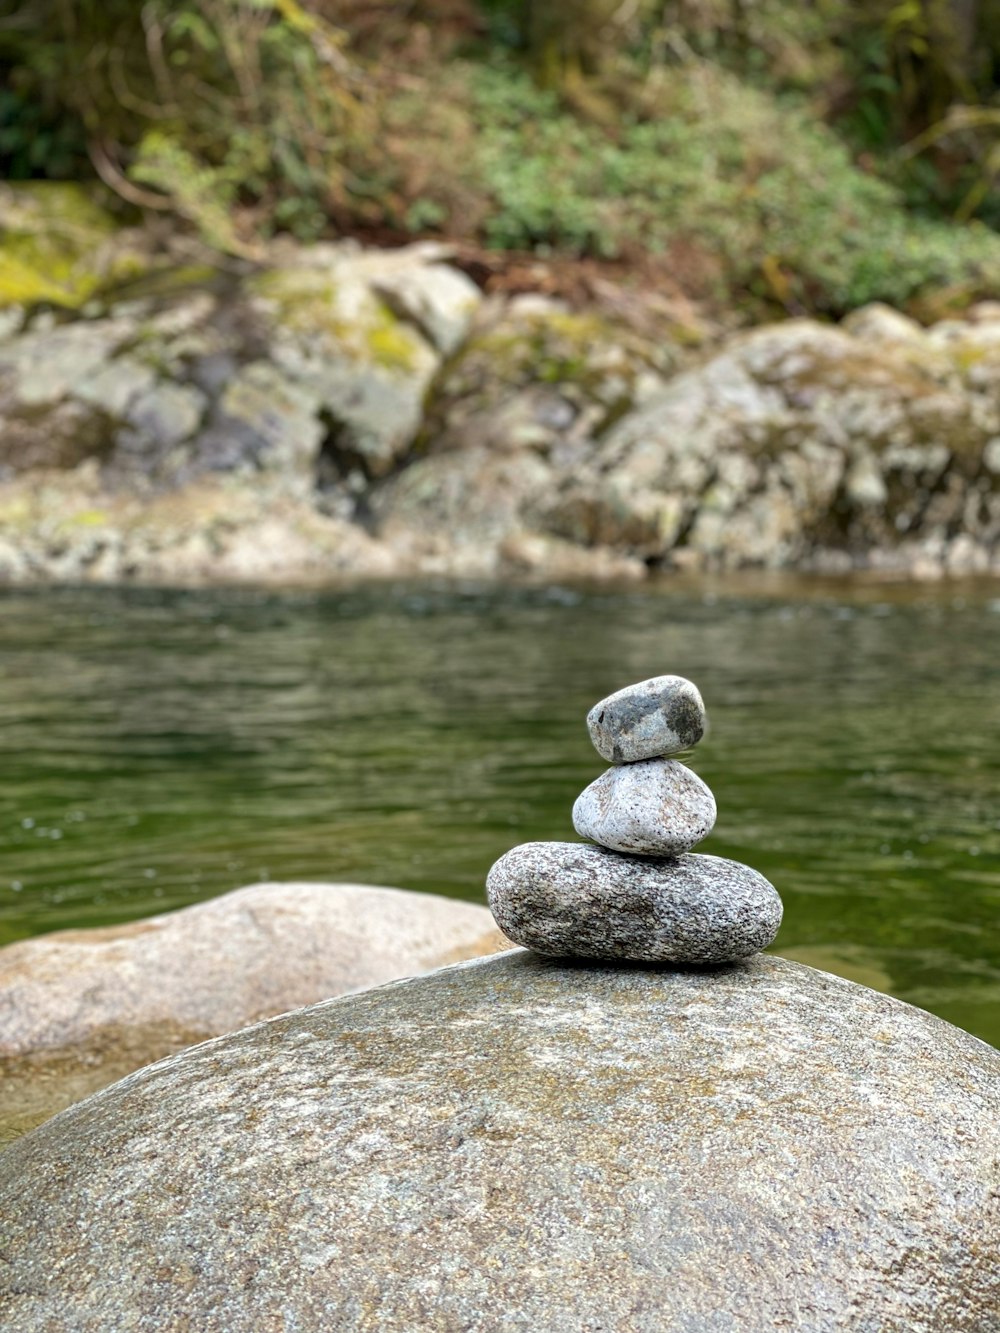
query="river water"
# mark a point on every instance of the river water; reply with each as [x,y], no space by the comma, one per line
[157,748]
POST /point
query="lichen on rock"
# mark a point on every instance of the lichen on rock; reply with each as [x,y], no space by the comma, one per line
[60,246]
[535,374]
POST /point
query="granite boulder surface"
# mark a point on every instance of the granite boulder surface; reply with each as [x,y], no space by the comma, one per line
[517,1144]
[81,1008]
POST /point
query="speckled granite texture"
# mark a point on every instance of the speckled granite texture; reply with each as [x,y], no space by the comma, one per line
[80,1009]
[514,1144]
[570,899]
[657,807]
[660,716]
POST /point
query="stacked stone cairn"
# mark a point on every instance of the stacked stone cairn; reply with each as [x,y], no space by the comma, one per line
[639,895]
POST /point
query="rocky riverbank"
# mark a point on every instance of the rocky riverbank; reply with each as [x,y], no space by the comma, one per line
[340,412]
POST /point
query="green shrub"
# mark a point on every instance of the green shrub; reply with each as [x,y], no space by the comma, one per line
[702,142]
[197,106]
[756,182]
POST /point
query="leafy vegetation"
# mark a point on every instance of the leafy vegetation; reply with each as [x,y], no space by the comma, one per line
[763,190]
[807,157]
[190,106]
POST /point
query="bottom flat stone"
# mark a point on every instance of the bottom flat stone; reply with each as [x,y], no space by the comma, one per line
[572,900]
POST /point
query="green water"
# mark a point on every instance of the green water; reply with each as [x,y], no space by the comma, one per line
[160,748]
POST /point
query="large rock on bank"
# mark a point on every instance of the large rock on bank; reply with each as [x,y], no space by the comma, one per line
[80,1008]
[302,378]
[518,1144]
[800,444]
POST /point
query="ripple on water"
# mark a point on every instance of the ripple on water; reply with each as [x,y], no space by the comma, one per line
[158,748]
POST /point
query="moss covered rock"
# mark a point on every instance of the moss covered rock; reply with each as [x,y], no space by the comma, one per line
[330,329]
[375,391]
[60,246]
[535,374]
[794,440]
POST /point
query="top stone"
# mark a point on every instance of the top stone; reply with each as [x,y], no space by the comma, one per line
[654,717]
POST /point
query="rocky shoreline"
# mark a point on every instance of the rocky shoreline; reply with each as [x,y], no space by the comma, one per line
[343,412]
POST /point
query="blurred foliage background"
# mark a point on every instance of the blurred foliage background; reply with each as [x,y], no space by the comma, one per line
[805,156]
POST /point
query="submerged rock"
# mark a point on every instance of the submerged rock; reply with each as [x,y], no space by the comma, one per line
[656,807]
[80,1008]
[569,899]
[513,1144]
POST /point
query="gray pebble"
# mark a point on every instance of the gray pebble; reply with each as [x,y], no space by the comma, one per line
[654,717]
[569,899]
[655,808]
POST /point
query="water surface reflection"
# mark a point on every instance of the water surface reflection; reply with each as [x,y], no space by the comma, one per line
[157,748]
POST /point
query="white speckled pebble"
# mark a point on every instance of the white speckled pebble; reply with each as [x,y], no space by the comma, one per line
[654,808]
[660,716]
[570,899]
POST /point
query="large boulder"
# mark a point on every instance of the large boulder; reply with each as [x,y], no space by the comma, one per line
[801,443]
[345,411]
[516,410]
[67,526]
[329,330]
[81,1008]
[876,444]
[303,372]
[519,1144]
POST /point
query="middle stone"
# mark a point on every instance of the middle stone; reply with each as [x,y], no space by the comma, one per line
[657,807]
